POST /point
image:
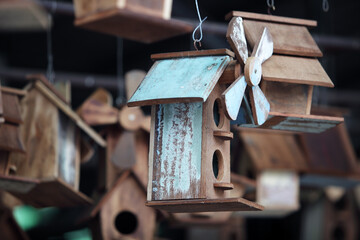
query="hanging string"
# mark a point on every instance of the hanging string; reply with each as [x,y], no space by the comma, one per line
[325,5]
[199,27]
[271,5]
[50,68]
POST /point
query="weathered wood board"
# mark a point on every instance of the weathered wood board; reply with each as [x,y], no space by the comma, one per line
[298,122]
[182,80]
[177,155]
[10,139]
[133,26]
[206,205]
[273,150]
[287,39]
[287,97]
[295,70]
[186,54]
[11,107]
[271,18]
[45,193]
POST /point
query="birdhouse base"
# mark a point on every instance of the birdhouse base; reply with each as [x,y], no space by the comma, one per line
[133,26]
[43,193]
[206,205]
[298,122]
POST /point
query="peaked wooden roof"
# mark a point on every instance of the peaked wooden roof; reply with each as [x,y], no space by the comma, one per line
[42,85]
[181,79]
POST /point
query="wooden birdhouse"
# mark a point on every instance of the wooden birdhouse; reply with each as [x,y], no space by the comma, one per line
[121,213]
[144,21]
[281,72]
[48,174]
[189,157]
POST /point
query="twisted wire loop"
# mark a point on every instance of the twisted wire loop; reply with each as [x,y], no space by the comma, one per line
[198,28]
[271,6]
[325,5]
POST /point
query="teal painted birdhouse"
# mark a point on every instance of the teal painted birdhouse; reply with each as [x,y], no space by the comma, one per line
[189,159]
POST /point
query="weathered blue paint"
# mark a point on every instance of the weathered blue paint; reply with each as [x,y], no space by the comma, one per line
[177,151]
[177,80]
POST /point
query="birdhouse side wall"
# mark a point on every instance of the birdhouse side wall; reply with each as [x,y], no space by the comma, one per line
[39,134]
[175,151]
[128,197]
[156,8]
[288,97]
[215,146]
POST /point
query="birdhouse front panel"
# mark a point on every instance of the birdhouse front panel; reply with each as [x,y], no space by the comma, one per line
[177,151]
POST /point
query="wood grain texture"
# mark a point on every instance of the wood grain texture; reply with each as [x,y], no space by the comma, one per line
[224,186]
[212,145]
[177,159]
[330,152]
[180,80]
[10,139]
[127,195]
[133,26]
[287,39]
[11,108]
[295,70]
[271,18]
[273,151]
[232,72]
[186,54]
[206,205]
[287,97]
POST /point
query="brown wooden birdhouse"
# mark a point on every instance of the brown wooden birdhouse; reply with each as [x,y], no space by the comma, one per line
[122,214]
[189,159]
[48,174]
[144,21]
[283,58]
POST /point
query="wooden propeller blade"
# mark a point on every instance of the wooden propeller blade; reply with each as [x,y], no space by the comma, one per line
[131,118]
[146,123]
[236,38]
[124,154]
[264,48]
[260,105]
[132,81]
[233,96]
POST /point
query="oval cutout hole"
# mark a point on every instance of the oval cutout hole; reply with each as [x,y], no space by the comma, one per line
[218,165]
[126,222]
[217,113]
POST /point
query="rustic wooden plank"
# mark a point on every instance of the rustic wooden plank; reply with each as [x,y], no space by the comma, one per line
[273,151]
[133,26]
[299,123]
[206,205]
[271,18]
[287,39]
[13,91]
[180,80]
[224,186]
[70,113]
[287,97]
[236,37]
[10,139]
[151,152]
[224,135]
[295,70]
[11,107]
[177,155]
[232,72]
[66,156]
[330,152]
[187,54]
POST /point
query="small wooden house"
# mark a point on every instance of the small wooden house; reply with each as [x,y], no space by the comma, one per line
[288,76]
[189,159]
[121,213]
[48,174]
[144,21]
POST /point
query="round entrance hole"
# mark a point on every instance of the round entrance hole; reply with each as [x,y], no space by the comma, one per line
[218,165]
[217,113]
[126,222]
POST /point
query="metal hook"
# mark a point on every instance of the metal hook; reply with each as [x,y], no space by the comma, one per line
[195,45]
[199,27]
[271,6]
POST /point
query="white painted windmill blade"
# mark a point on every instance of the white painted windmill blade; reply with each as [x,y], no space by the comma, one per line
[252,68]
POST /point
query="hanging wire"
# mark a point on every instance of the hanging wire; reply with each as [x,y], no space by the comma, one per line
[199,27]
[271,5]
[325,5]
[120,99]
[50,68]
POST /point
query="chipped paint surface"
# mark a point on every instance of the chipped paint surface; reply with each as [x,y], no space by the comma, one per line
[177,151]
[260,105]
[237,36]
[233,97]
[180,79]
